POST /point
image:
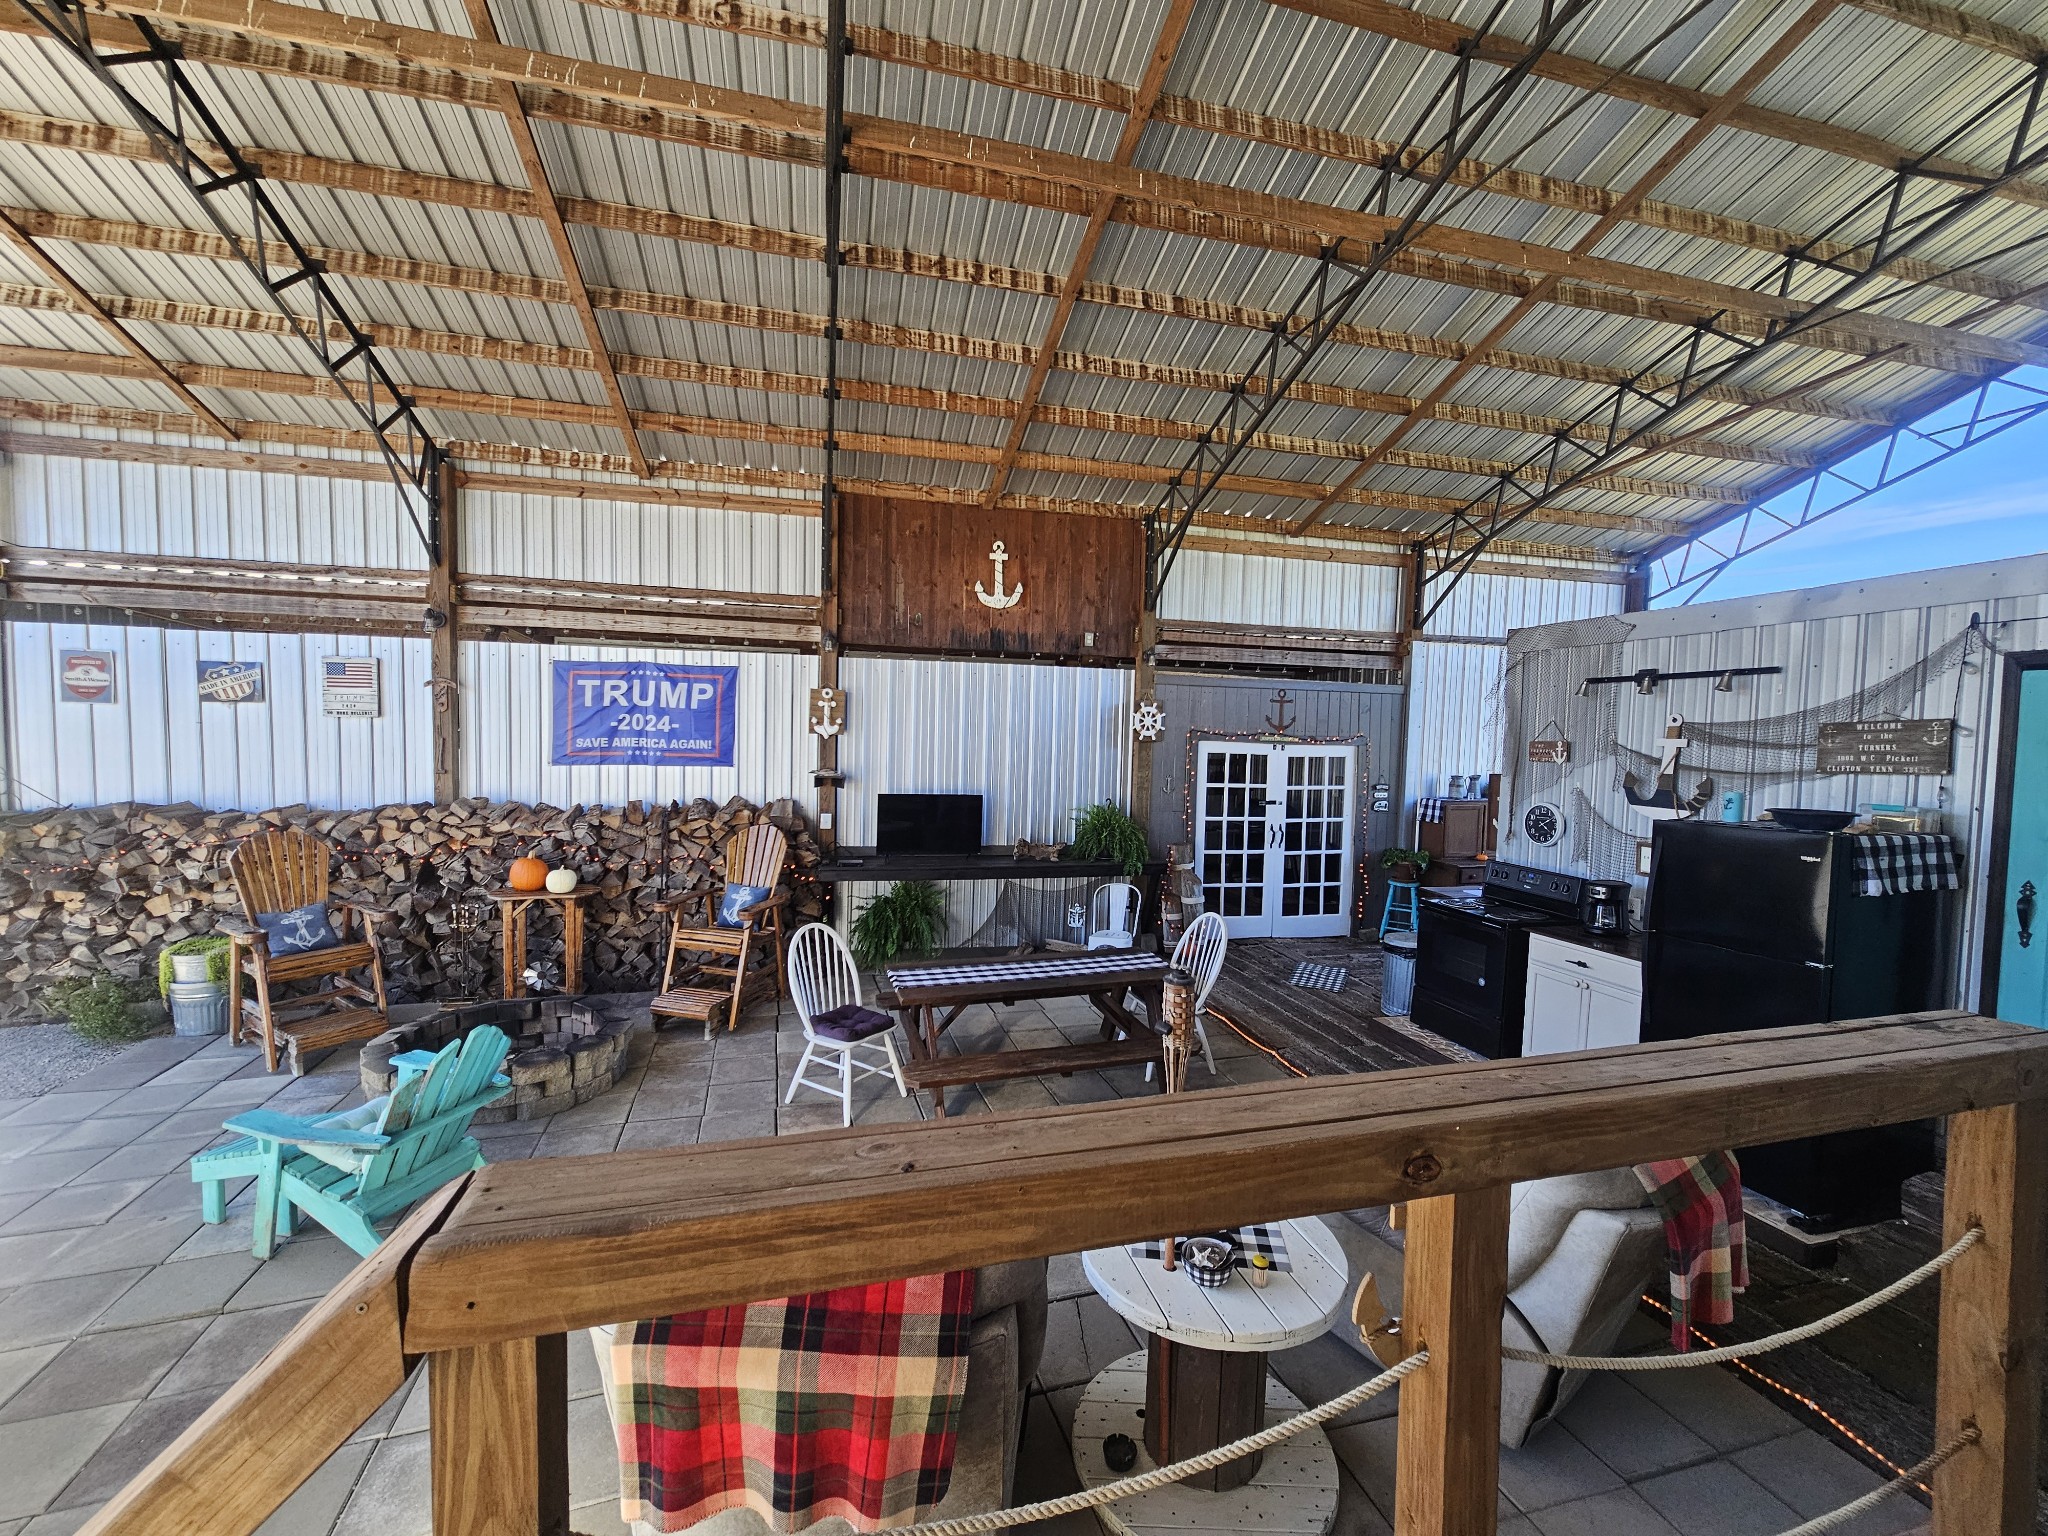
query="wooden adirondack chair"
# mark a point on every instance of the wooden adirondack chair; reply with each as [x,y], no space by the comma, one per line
[727,969]
[351,1170]
[275,872]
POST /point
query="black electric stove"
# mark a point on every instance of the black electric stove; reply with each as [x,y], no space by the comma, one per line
[1472,952]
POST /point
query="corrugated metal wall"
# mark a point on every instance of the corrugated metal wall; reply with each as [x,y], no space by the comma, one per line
[506,714]
[1198,706]
[1036,741]
[1832,643]
[1261,589]
[157,742]
[1454,715]
[585,539]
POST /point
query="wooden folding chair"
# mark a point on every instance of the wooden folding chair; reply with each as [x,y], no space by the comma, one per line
[276,872]
[724,970]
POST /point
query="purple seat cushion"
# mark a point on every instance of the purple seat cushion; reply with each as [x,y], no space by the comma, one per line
[848,1022]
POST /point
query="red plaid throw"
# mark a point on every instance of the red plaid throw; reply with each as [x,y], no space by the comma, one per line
[1700,1199]
[841,1403]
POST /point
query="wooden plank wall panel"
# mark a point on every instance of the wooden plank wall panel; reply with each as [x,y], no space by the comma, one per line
[909,570]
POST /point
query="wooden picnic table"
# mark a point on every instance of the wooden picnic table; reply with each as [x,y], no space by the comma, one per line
[928,995]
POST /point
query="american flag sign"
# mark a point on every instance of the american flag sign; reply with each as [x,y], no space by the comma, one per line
[348,685]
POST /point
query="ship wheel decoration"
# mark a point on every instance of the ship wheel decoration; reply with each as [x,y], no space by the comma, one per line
[1543,824]
[1148,720]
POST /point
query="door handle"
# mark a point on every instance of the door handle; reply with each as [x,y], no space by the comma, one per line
[1582,965]
[2024,909]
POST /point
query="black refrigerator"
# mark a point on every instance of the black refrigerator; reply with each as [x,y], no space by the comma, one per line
[1750,926]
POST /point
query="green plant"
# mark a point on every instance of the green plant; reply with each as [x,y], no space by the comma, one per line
[212,945]
[1107,832]
[99,1007]
[1396,858]
[907,920]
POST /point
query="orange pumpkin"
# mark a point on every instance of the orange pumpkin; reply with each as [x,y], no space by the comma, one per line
[527,874]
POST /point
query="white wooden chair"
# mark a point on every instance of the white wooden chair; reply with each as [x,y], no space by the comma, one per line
[1200,953]
[1113,916]
[822,979]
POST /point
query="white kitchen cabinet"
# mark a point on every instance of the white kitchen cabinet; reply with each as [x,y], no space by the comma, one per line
[1579,999]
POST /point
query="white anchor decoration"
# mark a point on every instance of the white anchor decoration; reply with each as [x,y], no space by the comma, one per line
[999,599]
[826,701]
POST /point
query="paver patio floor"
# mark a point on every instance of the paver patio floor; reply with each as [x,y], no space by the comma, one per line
[122,1316]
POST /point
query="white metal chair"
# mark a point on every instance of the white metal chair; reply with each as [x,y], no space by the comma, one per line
[1200,953]
[1113,916]
[823,979]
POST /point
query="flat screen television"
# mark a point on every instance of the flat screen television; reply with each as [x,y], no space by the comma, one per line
[932,825]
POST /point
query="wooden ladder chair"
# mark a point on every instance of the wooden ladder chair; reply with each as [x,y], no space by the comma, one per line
[717,968]
[279,871]
[351,1170]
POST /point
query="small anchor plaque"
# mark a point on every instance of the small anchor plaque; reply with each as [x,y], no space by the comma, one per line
[828,712]
[999,598]
[1281,721]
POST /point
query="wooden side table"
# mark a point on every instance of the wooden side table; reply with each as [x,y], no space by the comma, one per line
[512,909]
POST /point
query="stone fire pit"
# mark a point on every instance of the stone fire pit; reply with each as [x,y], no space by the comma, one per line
[563,1051]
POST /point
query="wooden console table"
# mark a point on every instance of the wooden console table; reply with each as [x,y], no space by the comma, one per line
[512,909]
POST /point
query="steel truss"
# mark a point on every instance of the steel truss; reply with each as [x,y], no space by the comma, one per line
[191,140]
[1707,355]
[1339,282]
[1996,405]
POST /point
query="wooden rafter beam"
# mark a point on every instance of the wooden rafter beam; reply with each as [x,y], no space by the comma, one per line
[1803,26]
[145,363]
[1387,19]
[1953,21]
[1013,172]
[379,181]
[1171,29]
[549,212]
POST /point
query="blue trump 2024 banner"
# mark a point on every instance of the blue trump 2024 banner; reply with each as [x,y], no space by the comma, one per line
[644,712]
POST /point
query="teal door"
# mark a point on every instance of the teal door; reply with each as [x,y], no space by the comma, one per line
[2023,946]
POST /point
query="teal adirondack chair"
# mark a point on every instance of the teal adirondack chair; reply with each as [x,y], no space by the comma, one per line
[351,1170]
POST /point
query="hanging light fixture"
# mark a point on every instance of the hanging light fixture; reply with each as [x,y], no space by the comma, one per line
[1725,683]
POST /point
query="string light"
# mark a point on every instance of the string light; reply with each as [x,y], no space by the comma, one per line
[1251,1039]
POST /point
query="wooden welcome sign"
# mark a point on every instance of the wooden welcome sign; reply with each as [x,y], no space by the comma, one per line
[1886,746]
[965,580]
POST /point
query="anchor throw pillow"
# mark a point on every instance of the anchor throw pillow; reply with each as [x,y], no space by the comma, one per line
[736,900]
[299,930]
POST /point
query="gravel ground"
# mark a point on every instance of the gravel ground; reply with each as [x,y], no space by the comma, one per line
[34,1058]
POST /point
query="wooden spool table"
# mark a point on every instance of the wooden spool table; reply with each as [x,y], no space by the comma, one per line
[512,909]
[1202,1382]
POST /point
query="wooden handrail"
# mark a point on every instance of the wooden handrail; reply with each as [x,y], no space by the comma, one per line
[489,1275]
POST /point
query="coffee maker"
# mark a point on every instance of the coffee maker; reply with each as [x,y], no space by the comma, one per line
[1603,908]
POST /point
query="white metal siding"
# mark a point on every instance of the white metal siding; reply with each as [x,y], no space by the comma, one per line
[507,720]
[516,533]
[115,506]
[1036,741]
[1211,586]
[158,743]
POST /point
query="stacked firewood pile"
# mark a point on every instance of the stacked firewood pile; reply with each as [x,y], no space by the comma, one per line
[106,887]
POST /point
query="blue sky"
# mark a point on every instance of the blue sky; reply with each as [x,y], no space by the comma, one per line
[1989,502]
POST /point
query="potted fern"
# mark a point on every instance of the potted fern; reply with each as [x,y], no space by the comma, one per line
[1106,833]
[907,919]
[1404,864]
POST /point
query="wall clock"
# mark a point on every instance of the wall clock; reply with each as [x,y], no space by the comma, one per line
[1543,824]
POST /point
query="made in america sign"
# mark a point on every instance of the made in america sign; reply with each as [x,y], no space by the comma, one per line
[647,712]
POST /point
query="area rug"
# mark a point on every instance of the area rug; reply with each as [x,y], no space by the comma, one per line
[1319,978]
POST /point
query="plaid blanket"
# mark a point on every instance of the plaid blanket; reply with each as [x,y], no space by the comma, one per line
[843,1403]
[1700,1199]
[1889,863]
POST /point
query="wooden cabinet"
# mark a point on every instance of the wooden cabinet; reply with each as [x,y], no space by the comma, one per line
[1579,999]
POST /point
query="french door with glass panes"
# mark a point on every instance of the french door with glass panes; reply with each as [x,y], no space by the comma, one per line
[1273,837]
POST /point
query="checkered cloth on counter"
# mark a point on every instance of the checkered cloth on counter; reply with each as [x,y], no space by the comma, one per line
[1319,978]
[1890,863]
[843,1403]
[1700,1199]
[1247,1240]
[1108,965]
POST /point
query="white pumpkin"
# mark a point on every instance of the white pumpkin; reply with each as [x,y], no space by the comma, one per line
[561,881]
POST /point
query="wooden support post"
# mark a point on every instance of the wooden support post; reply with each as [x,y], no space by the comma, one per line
[828,746]
[442,670]
[500,1420]
[1988,1370]
[1143,685]
[1447,1463]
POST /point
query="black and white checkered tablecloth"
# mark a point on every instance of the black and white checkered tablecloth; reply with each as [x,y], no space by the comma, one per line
[1106,966]
[1248,1240]
[1889,863]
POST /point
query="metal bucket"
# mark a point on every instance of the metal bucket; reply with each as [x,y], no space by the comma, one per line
[1397,982]
[190,968]
[198,1007]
